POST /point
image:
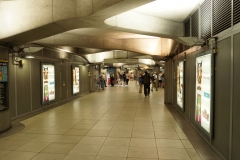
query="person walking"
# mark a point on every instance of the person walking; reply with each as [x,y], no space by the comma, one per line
[124,78]
[160,80]
[163,80]
[154,81]
[146,83]
[112,79]
[140,81]
[101,81]
[127,78]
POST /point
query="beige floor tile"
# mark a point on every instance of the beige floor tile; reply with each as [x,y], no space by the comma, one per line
[122,128]
[59,148]
[161,129]
[142,128]
[173,153]
[114,151]
[125,123]
[49,156]
[142,158]
[98,133]
[187,144]
[92,140]
[77,132]
[109,158]
[16,155]
[182,136]
[11,145]
[117,141]
[105,122]
[143,134]
[143,123]
[56,131]
[68,139]
[142,142]
[119,133]
[162,124]
[79,157]
[23,137]
[169,143]
[86,149]
[46,138]
[3,153]
[33,146]
[82,126]
[103,127]
[88,122]
[36,130]
[193,154]
[166,135]
[140,152]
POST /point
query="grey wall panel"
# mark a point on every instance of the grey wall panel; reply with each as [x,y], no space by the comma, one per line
[85,79]
[222,97]
[187,85]
[11,86]
[47,53]
[236,99]
[64,79]
[192,86]
[69,79]
[23,88]
[36,84]
[57,82]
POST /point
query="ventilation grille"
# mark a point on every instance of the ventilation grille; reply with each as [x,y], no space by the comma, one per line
[221,15]
[195,24]
[187,28]
[206,19]
[236,11]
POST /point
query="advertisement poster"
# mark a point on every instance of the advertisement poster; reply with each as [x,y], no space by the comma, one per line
[48,78]
[203,91]
[180,85]
[3,71]
[75,73]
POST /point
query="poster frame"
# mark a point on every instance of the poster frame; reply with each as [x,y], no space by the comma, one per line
[41,65]
[182,108]
[73,66]
[210,133]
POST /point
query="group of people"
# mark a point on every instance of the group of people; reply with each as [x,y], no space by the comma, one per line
[123,79]
[146,79]
[102,80]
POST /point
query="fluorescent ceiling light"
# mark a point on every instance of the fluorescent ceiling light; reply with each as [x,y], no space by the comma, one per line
[29,57]
[176,10]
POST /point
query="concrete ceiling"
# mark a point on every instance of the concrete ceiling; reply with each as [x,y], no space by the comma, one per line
[148,27]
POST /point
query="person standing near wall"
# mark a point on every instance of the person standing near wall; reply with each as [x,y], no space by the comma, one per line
[163,80]
[160,80]
[101,81]
[104,79]
[146,83]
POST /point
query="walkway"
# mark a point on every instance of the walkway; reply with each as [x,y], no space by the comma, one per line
[115,124]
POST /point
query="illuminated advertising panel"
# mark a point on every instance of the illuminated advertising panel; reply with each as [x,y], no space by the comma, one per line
[203,91]
[75,78]
[180,84]
[3,71]
[48,82]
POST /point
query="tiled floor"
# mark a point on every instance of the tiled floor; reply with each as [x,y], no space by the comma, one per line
[115,124]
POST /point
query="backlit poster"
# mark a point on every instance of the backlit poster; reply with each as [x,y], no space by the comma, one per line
[75,78]
[180,84]
[48,82]
[203,91]
[3,71]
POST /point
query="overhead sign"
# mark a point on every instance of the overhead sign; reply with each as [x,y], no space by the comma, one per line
[121,60]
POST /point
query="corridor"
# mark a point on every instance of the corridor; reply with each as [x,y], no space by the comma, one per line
[115,124]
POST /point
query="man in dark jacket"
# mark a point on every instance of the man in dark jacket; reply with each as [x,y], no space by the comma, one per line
[146,83]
